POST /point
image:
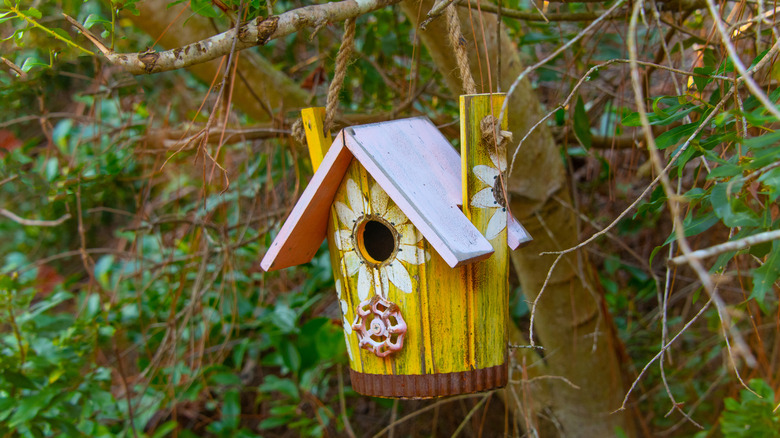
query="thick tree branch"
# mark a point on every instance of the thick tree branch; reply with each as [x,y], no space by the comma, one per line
[256,32]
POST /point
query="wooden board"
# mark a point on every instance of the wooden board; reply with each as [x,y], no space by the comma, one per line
[304,230]
[484,203]
[317,139]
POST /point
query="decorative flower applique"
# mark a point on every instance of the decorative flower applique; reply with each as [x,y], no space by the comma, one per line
[493,196]
[402,240]
[380,326]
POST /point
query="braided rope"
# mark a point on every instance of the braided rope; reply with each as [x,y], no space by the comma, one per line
[458,43]
[342,59]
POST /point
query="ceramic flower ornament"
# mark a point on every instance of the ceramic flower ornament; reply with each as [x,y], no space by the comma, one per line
[365,215]
[493,196]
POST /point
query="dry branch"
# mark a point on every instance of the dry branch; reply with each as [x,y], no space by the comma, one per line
[253,33]
[33,222]
[735,245]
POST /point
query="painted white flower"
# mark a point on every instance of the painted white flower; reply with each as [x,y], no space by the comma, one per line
[492,196]
[376,215]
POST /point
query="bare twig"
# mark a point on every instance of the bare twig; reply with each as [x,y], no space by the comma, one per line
[554,54]
[660,353]
[343,405]
[33,222]
[424,410]
[14,67]
[745,76]
[537,16]
[437,9]
[735,245]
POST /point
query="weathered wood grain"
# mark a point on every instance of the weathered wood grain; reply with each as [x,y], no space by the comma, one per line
[488,279]
[317,140]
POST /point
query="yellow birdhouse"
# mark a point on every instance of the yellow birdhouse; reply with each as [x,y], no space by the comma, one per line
[418,240]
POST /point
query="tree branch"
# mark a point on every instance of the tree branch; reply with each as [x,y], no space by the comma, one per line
[736,245]
[253,33]
[33,222]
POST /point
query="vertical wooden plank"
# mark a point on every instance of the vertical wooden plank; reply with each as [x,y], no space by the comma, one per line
[344,287]
[484,203]
[317,140]
[425,318]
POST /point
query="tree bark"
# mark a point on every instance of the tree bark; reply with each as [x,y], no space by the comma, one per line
[570,320]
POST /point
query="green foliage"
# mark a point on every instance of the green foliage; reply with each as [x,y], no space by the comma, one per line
[732,196]
[753,415]
[156,309]
[49,384]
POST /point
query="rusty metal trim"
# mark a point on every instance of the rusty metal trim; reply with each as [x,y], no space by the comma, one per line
[416,386]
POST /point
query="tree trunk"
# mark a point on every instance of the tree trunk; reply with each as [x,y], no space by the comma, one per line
[570,320]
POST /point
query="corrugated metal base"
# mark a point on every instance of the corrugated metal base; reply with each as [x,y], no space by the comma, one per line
[429,385]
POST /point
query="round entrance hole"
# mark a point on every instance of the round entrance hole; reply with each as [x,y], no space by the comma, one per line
[376,241]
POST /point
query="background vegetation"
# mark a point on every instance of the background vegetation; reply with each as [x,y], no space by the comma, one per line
[134,211]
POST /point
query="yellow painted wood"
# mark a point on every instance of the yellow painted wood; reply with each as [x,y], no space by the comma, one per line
[412,358]
[317,140]
[488,279]
[456,318]
[448,310]
[339,271]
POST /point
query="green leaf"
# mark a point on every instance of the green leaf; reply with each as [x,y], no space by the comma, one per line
[695,225]
[282,385]
[7,406]
[731,209]
[6,16]
[581,124]
[674,135]
[65,427]
[204,8]
[18,380]
[753,415]
[29,407]
[284,318]
[772,180]
[225,378]
[290,355]
[34,13]
[93,19]
[762,141]
[725,171]
[231,409]
[701,82]
[165,429]
[766,275]
[270,423]
[329,341]
[31,62]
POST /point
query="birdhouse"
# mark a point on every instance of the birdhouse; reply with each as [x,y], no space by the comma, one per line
[418,239]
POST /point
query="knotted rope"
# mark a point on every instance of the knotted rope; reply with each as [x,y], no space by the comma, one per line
[458,43]
[492,135]
[298,133]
